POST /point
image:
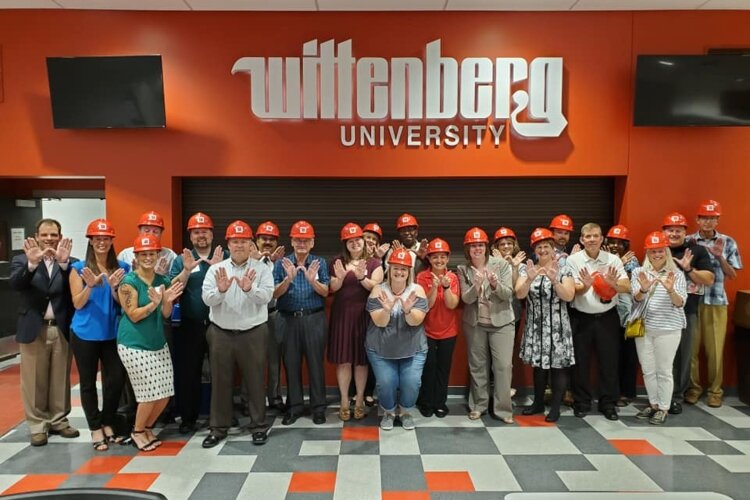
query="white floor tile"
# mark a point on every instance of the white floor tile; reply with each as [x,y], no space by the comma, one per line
[727,414]
[320,447]
[613,473]
[7,450]
[532,441]
[265,486]
[398,442]
[487,472]
[8,480]
[358,476]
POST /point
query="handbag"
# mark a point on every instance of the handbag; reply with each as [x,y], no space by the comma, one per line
[635,327]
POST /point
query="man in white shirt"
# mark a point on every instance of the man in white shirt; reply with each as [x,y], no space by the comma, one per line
[237,290]
[599,277]
[151,223]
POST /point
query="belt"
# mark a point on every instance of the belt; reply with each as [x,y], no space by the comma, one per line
[301,312]
[595,315]
[236,332]
[49,322]
[271,309]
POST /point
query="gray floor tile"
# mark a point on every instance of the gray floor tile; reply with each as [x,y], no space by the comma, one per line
[477,495]
[584,437]
[539,472]
[360,448]
[86,481]
[402,473]
[50,459]
[226,485]
[293,463]
[455,441]
[715,448]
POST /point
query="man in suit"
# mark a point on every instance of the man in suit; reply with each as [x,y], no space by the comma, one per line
[40,276]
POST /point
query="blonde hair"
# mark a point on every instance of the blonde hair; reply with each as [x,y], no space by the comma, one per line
[408,275]
[669,266]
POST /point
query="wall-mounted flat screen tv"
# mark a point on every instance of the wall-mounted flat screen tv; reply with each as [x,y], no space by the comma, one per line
[710,90]
[106,92]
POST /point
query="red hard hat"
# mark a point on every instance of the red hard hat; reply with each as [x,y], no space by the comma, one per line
[674,219]
[302,229]
[475,235]
[654,240]
[540,234]
[603,289]
[504,232]
[200,221]
[619,232]
[350,230]
[373,227]
[438,245]
[406,220]
[146,242]
[267,228]
[709,208]
[100,227]
[151,219]
[238,229]
[401,256]
[561,221]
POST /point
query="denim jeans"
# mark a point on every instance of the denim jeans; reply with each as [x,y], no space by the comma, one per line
[402,375]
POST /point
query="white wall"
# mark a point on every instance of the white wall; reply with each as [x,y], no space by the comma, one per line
[74,215]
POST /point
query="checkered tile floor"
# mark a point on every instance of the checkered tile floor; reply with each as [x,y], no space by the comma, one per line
[704,450]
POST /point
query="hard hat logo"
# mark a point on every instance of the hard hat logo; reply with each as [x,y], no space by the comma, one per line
[151,217]
[101,226]
[402,255]
[476,234]
[352,230]
[710,207]
[268,228]
[654,239]
[200,219]
[404,219]
[145,241]
[439,244]
[565,222]
[302,229]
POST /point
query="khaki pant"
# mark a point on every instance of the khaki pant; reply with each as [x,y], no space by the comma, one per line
[711,333]
[45,381]
[490,348]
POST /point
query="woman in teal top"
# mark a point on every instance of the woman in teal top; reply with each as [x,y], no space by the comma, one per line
[94,329]
[140,337]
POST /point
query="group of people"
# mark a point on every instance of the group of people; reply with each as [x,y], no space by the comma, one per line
[394,320]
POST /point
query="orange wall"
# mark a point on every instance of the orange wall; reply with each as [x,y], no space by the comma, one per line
[212,132]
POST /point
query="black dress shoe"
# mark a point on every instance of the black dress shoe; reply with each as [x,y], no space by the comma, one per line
[675,408]
[552,416]
[426,412]
[319,418]
[260,437]
[289,419]
[187,427]
[278,405]
[533,410]
[611,414]
[441,412]
[235,422]
[212,440]
[579,412]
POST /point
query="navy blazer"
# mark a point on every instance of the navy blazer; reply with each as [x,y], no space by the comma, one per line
[36,289]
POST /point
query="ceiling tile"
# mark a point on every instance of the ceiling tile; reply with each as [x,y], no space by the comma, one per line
[726,4]
[637,4]
[124,4]
[28,4]
[401,5]
[277,5]
[509,4]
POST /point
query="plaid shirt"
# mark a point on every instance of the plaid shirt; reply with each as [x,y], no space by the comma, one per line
[300,294]
[715,294]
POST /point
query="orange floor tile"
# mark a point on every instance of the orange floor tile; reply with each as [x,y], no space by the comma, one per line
[103,465]
[167,449]
[312,482]
[449,481]
[634,447]
[37,482]
[532,421]
[405,495]
[360,433]
[132,481]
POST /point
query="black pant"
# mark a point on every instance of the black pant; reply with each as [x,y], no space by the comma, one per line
[304,336]
[628,366]
[273,362]
[558,379]
[190,348]
[433,393]
[88,353]
[602,333]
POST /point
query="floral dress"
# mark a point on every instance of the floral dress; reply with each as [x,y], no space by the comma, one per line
[547,338]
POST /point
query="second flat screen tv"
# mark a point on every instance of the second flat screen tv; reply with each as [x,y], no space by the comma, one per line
[710,90]
[106,92]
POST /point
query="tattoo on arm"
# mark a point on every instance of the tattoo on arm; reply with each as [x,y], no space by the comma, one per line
[127,294]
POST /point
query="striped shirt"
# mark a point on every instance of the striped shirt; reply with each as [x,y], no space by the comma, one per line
[715,294]
[661,313]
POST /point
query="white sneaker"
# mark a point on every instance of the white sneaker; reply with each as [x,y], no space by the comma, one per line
[407,422]
[386,423]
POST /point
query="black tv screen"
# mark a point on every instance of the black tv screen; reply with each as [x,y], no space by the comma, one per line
[710,90]
[106,92]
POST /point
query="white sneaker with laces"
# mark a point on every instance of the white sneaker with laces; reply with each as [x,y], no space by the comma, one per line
[386,423]
[407,422]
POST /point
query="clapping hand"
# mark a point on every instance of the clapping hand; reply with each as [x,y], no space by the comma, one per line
[277,254]
[247,279]
[518,259]
[223,281]
[217,257]
[645,282]
[386,302]
[422,251]
[668,281]
[254,252]
[338,270]
[478,277]
[532,271]
[360,270]
[627,257]
[33,253]
[585,276]
[115,278]
[553,270]
[90,279]
[576,248]
[188,261]
[173,292]
[162,265]
[395,244]
[156,294]
[409,302]
[717,249]
[382,250]
[610,277]
[312,272]
[685,261]
[289,268]
[62,254]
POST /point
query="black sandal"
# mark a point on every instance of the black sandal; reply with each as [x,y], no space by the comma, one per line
[112,438]
[156,441]
[146,447]
[102,442]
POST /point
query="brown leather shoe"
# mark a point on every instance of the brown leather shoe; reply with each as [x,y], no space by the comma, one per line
[66,432]
[39,439]
[713,400]
[692,396]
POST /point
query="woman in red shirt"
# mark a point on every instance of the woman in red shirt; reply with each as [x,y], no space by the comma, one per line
[441,327]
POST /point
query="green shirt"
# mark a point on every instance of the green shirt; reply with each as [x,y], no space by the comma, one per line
[148,333]
[192,306]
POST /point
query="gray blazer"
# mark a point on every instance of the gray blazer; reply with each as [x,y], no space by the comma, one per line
[501,299]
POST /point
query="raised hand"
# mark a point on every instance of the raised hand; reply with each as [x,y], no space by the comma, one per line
[445,280]
[289,268]
[409,302]
[277,254]
[338,270]
[156,294]
[162,265]
[382,250]
[492,277]
[668,281]
[585,276]
[496,253]
[395,244]
[254,252]
[576,248]
[717,249]
[645,282]
[478,277]
[553,270]
[188,261]
[33,253]
[386,302]
[435,282]
[223,282]
[531,270]
[115,278]
[246,282]
[360,270]
[422,251]
[312,272]
[627,257]
[89,278]
[217,257]
[610,277]
[173,292]
[518,259]
[62,254]
[686,260]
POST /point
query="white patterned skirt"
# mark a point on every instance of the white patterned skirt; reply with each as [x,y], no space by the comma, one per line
[150,372]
